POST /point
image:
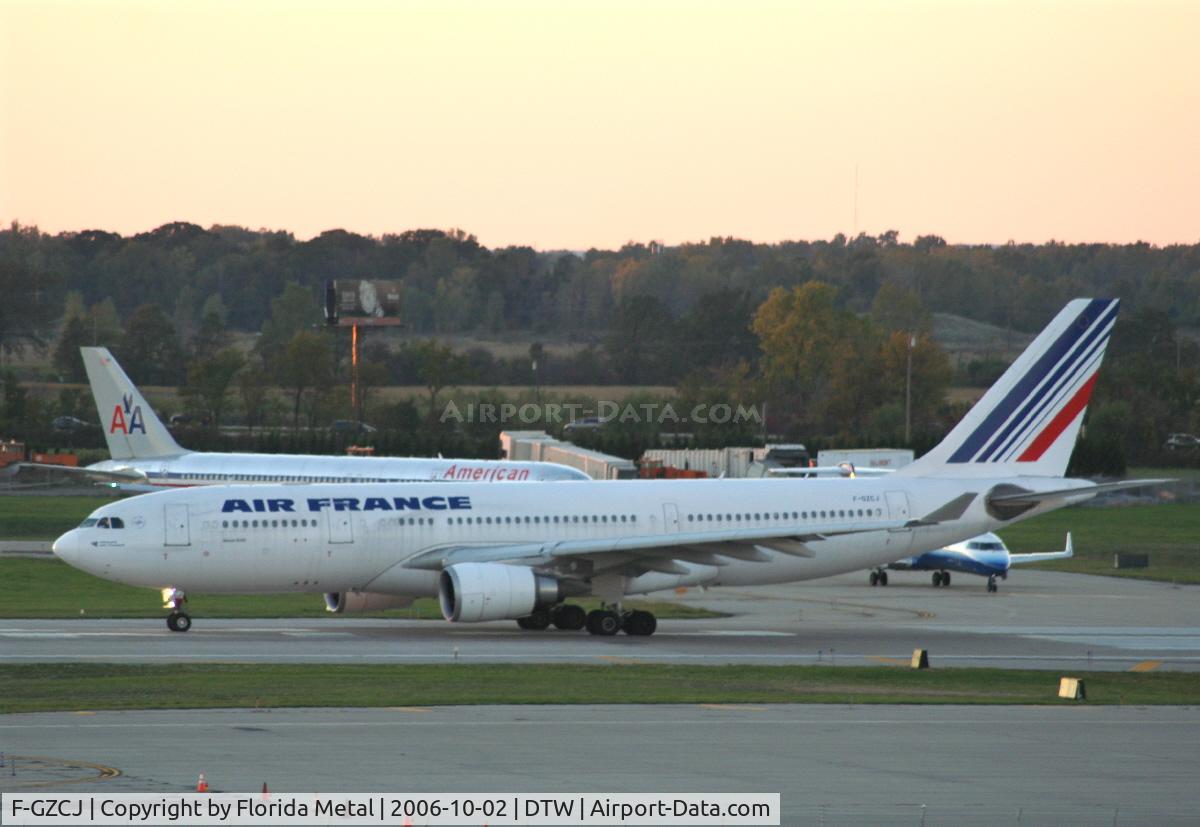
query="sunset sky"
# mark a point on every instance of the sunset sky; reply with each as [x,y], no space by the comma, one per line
[581,124]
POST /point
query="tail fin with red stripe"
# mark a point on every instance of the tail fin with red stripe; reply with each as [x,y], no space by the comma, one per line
[1026,424]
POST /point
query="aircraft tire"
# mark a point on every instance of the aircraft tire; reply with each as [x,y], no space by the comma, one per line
[883,578]
[536,622]
[945,578]
[603,623]
[991,586]
[640,624]
[874,578]
[937,579]
[569,617]
[179,621]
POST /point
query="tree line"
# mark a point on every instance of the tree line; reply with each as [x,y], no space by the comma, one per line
[820,331]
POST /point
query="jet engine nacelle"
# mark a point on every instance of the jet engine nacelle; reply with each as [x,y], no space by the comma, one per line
[352,602]
[474,592]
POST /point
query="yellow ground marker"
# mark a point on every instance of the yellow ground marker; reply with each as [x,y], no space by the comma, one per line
[1146,666]
[734,706]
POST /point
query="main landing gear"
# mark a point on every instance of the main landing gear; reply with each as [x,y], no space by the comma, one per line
[941,578]
[878,577]
[604,622]
[178,620]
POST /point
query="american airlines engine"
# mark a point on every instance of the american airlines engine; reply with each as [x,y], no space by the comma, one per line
[520,551]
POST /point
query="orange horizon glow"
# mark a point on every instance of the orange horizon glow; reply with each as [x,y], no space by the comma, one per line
[584,124]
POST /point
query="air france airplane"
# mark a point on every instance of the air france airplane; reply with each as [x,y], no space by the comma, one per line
[518,551]
[985,555]
[145,457]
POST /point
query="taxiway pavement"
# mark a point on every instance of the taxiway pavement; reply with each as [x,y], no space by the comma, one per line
[1039,619]
[831,764]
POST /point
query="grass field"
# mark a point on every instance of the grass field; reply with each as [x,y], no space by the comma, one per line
[1169,533]
[41,588]
[44,517]
[47,687]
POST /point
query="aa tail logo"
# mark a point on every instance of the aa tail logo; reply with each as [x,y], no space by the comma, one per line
[127,417]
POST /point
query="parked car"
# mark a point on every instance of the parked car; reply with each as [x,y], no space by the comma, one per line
[69,423]
[1182,442]
[578,426]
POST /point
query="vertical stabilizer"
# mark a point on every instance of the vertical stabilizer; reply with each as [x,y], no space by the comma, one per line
[1026,424]
[130,426]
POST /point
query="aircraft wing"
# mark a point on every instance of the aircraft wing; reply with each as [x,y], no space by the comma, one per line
[118,475]
[710,541]
[1038,557]
[694,546]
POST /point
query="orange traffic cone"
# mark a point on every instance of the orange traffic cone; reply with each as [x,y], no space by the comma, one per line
[201,785]
[266,793]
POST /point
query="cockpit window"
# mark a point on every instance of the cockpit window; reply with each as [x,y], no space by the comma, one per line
[103,523]
[88,523]
[116,522]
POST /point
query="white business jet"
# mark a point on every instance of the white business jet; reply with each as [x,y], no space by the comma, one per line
[517,551]
[145,457]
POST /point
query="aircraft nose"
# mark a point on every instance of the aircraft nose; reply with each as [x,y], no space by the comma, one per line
[66,547]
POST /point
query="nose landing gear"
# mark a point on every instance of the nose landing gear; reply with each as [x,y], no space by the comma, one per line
[992,587]
[178,620]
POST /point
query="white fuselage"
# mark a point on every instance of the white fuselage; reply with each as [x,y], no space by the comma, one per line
[202,468]
[333,538]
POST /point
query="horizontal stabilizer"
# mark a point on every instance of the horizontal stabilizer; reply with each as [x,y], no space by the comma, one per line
[1031,498]
[114,475]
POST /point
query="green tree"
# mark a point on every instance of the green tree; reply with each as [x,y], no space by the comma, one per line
[305,367]
[253,388]
[293,311]
[210,379]
[799,332]
[27,307]
[438,367]
[75,334]
[931,375]
[150,350]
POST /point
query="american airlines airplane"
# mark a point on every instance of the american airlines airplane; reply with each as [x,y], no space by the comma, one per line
[985,555]
[518,551]
[145,457]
